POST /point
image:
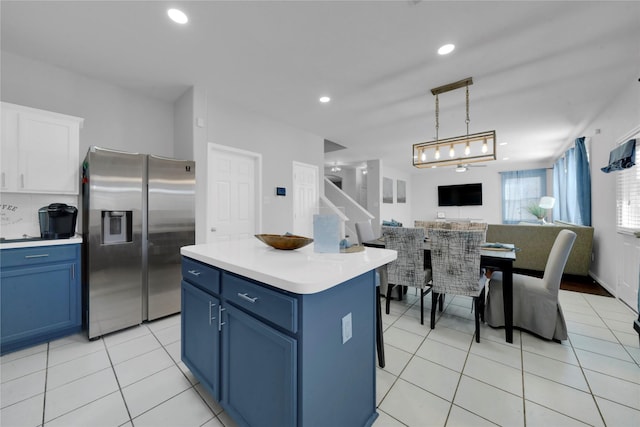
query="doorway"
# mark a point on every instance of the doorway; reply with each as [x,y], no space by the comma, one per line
[234,180]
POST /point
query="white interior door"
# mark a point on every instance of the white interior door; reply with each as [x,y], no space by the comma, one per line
[233,200]
[629,271]
[305,198]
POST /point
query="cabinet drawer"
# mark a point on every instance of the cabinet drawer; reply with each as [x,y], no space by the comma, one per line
[274,306]
[38,255]
[204,276]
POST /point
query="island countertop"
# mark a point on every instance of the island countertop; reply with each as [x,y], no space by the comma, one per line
[301,271]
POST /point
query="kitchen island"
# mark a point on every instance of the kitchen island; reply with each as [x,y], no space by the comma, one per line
[282,338]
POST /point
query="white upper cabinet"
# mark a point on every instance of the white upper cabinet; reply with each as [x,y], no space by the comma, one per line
[40,151]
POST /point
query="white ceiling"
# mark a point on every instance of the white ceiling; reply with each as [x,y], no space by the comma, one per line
[542,70]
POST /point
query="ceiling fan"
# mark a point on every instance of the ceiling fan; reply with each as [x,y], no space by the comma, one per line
[462,167]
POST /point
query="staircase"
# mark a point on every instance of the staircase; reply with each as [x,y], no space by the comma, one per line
[351,210]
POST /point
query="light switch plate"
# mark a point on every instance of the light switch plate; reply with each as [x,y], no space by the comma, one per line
[346,328]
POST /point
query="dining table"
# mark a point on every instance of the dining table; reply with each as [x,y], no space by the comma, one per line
[495,256]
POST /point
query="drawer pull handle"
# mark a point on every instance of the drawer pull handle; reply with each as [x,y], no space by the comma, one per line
[195,272]
[211,318]
[248,298]
[37,256]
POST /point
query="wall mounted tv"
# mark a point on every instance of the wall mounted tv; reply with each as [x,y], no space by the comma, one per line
[460,195]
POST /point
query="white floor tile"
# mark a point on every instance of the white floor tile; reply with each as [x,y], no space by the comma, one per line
[539,416]
[628,371]
[137,368]
[614,389]
[554,370]
[125,335]
[498,352]
[27,412]
[451,337]
[23,353]
[166,322]
[498,335]
[386,420]
[186,410]
[586,319]
[618,415]
[497,374]
[73,350]
[105,412]
[432,377]
[600,332]
[634,352]
[16,368]
[559,351]
[152,391]
[489,402]
[606,348]
[168,335]
[187,373]
[629,338]
[74,369]
[411,324]
[459,417]
[214,422]
[618,325]
[226,420]
[174,351]
[561,398]
[402,339]
[22,388]
[132,348]
[395,359]
[78,393]
[384,381]
[414,406]
[442,354]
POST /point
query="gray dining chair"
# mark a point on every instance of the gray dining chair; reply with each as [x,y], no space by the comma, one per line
[409,268]
[536,307]
[455,264]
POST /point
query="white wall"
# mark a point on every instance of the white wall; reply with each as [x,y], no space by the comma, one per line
[425,192]
[279,145]
[113,117]
[616,120]
[401,212]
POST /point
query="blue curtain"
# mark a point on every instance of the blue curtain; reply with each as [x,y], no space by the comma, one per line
[572,186]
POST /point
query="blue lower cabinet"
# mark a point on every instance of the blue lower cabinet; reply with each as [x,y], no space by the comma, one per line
[259,372]
[40,295]
[277,359]
[200,336]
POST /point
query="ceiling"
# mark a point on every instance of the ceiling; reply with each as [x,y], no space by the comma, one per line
[541,70]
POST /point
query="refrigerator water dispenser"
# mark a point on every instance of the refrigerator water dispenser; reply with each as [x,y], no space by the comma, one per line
[116,227]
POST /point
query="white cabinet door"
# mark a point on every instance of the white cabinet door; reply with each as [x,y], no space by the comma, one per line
[9,154]
[40,151]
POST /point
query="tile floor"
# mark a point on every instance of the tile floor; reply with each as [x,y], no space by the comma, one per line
[439,377]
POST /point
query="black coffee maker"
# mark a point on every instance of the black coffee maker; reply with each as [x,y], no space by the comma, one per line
[57,221]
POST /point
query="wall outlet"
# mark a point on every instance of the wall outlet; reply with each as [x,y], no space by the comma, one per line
[346,328]
[441,215]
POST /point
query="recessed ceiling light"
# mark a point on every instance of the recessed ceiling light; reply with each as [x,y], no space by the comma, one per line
[447,48]
[505,158]
[177,16]
[503,143]
[324,99]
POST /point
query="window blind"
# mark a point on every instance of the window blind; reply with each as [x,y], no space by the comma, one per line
[628,199]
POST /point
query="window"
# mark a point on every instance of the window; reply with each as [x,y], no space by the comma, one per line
[520,189]
[628,199]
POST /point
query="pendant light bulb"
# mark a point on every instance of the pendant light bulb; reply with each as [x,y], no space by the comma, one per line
[423,156]
[452,152]
[437,155]
[485,148]
[467,149]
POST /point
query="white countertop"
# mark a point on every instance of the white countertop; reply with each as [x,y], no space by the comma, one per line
[36,243]
[301,271]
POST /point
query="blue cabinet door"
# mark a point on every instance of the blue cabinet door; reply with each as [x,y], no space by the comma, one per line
[38,303]
[259,372]
[200,336]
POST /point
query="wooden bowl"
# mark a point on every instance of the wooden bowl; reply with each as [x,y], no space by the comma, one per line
[284,242]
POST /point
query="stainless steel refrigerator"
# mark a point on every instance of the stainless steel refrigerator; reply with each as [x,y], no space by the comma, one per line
[138,210]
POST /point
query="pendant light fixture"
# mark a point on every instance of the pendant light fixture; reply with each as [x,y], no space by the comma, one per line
[469,148]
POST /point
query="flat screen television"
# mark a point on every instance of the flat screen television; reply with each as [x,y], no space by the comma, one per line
[460,195]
